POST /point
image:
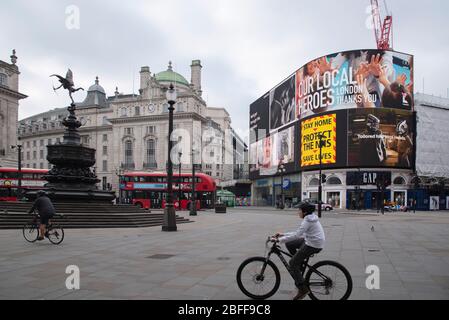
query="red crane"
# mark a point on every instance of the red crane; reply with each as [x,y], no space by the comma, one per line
[382,31]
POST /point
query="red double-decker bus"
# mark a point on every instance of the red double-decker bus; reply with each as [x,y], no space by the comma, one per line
[149,190]
[9,181]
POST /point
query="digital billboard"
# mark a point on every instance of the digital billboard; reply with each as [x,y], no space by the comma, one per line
[259,118]
[361,101]
[323,128]
[282,104]
[269,152]
[355,79]
[381,138]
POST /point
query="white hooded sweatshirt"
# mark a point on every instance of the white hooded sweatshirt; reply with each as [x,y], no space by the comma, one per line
[310,230]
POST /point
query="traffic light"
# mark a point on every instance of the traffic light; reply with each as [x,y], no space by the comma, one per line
[323,178]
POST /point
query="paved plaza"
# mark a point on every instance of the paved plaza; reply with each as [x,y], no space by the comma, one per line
[201,259]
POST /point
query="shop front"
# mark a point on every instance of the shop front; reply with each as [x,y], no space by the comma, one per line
[262,193]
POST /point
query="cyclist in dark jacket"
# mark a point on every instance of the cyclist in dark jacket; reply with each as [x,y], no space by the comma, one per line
[46,210]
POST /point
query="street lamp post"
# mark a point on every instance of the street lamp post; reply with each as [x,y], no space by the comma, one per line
[179,181]
[193,211]
[320,186]
[119,172]
[169,223]
[281,170]
[19,171]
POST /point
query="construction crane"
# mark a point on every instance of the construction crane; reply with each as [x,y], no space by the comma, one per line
[382,30]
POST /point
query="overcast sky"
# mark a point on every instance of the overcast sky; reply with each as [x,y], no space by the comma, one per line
[246,46]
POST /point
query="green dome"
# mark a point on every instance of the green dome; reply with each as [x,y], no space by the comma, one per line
[171,76]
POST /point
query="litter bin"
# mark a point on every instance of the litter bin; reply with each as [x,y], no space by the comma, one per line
[220,208]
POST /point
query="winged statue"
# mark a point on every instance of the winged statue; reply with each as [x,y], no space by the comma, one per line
[67,83]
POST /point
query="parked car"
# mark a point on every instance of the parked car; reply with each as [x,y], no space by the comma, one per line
[324,206]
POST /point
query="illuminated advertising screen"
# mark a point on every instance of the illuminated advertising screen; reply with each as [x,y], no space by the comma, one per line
[355,79]
[322,128]
[269,152]
[259,118]
[282,104]
[381,138]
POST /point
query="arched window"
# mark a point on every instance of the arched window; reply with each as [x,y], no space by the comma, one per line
[151,154]
[314,182]
[129,161]
[334,181]
[399,181]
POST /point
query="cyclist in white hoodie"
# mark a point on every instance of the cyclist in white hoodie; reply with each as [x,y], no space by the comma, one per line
[307,240]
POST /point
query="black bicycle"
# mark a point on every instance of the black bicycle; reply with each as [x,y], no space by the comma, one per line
[259,278]
[55,233]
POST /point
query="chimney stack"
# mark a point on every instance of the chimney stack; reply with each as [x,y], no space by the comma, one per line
[145,75]
[196,76]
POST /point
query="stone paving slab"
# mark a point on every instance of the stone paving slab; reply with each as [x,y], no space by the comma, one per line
[201,259]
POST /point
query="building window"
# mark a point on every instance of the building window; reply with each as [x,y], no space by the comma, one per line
[165,108]
[34,143]
[151,130]
[105,121]
[105,138]
[208,166]
[218,174]
[333,181]
[28,155]
[105,183]
[128,152]
[129,131]
[49,142]
[85,140]
[180,107]
[41,154]
[218,167]
[3,80]
[58,140]
[105,165]
[105,150]
[34,155]
[314,182]
[41,143]
[28,144]
[41,165]
[151,154]
[209,173]
[123,112]
[34,166]
[44,126]
[399,181]
[137,111]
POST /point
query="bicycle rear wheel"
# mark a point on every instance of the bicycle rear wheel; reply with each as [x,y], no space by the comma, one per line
[329,280]
[55,234]
[30,232]
[256,283]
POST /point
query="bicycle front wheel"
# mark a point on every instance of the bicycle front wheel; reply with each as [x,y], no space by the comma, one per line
[258,279]
[329,280]
[30,232]
[55,234]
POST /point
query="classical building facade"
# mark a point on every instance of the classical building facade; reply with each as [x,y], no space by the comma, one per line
[130,131]
[9,110]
